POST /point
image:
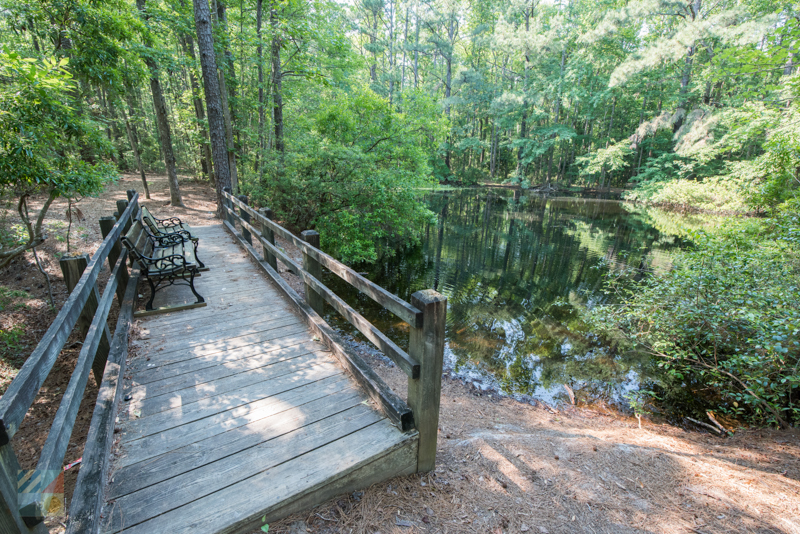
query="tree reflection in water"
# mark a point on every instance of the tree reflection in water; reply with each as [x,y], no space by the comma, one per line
[517,270]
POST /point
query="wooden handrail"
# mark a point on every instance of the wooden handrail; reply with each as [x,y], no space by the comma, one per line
[35,505]
[393,303]
[426,316]
[23,389]
[408,364]
[22,508]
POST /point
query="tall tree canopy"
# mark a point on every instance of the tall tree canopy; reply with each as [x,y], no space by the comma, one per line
[284,99]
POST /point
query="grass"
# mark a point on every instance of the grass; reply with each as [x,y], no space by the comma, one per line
[9,297]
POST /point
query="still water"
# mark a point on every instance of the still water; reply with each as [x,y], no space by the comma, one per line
[517,271]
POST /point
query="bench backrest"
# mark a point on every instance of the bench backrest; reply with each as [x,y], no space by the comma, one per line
[148,219]
[137,242]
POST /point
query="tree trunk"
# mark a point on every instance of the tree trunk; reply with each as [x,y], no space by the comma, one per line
[405,42]
[160,106]
[261,111]
[135,149]
[277,79]
[199,112]
[228,94]
[416,47]
[216,121]
[391,52]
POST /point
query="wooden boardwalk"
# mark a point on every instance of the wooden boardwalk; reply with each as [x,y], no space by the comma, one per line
[237,411]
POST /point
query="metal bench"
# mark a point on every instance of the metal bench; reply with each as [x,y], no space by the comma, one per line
[170,226]
[164,260]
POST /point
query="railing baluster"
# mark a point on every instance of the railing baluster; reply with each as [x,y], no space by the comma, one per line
[246,218]
[229,204]
[269,235]
[426,345]
[72,268]
[314,268]
[106,224]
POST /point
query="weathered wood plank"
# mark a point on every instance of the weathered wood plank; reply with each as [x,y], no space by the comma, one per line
[34,506]
[212,448]
[326,459]
[424,393]
[225,474]
[213,335]
[208,420]
[209,380]
[217,306]
[232,365]
[234,343]
[220,320]
[392,405]
[23,389]
[302,370]
[86,503]
[149,404]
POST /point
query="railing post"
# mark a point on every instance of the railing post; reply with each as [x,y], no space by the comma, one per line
[269,235]
[426,345]
[314,268]
[72,268]
[229,204]
[246,218]
[106,225]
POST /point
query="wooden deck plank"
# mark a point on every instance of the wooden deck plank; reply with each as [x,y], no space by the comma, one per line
[238,410]
[211,448]
[167,344]
[209,420]
[189,488]
[232,360]
[210,391]
[316,370]
[252,495]
[226,344]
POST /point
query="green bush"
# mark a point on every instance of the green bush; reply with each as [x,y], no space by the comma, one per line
[724,322]
[354,176]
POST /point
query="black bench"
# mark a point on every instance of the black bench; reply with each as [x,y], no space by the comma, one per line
[164,260]
[170,226]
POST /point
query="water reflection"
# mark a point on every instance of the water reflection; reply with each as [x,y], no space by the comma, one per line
[516,271]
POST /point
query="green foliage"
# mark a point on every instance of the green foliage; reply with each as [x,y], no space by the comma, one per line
[11,342]
[354,175]
[9,296]
[713,194]
[610,159]
[724,322]
[40,134]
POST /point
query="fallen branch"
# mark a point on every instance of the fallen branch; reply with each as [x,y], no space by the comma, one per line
[695,421]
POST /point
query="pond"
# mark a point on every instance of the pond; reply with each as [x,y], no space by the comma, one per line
[517,270]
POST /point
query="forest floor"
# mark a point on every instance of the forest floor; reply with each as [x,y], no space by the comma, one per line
[503,466]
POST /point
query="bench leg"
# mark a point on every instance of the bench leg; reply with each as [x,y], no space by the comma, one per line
[149,305]
[191,286]
[199,263]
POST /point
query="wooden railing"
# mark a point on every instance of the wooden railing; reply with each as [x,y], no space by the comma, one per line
[25,496]
[425,315]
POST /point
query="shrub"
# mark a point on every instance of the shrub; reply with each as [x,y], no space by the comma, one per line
[725,319]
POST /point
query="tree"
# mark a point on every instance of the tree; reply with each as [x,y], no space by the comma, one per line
[160,106]
[216,120]
[40,133]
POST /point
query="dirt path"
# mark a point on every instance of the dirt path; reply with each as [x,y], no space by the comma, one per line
[503,466]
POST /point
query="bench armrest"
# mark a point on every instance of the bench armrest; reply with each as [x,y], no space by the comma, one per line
[167,240]
[169,263]
[169,222]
